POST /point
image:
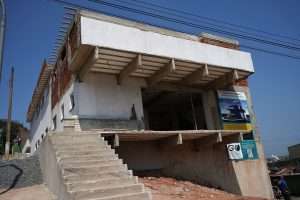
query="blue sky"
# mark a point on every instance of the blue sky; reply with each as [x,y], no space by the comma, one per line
[32,28]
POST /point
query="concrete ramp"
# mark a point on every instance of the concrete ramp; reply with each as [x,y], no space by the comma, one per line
[82,166]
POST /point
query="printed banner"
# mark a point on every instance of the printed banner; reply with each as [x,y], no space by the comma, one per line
[249,150]
[234,110]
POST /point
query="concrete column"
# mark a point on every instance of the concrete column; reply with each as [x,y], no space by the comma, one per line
[211,112]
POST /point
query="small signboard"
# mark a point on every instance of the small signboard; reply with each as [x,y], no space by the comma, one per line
[245,150]
[249,150]
[235,151]
[234,110]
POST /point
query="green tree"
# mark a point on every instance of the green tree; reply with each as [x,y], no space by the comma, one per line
[16,127]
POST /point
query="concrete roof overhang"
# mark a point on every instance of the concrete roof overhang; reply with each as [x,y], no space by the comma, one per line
[149,135]
[42,83]
[129,49]
[157,69]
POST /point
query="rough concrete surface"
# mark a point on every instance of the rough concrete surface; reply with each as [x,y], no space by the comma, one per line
[171,189]
[36,192]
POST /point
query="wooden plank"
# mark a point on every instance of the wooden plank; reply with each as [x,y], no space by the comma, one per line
[189,64]
[154,64]
[110,62]
[89,63]
[114,58]
[130,68]
[140,75]
[156,59]
[163,72]
[105,66]
[187,69]
[117,53]
[197,75]
[107,71]
[227,79]
[144,66]
[145,71]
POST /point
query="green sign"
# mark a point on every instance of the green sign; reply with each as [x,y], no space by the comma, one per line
[249,150]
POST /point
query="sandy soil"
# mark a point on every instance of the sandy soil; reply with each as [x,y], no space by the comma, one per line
[171,189]
[37,192]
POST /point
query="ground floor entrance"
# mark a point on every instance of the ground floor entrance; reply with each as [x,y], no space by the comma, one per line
[173,110]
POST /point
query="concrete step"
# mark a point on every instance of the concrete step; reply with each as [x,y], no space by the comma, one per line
[93,169]
[68,136]
[107,191]
[75,141]
[84,185]
[130,196]
[79,147]
[84,158]
[85,152]
[91,163]
[91,155]
[108,174]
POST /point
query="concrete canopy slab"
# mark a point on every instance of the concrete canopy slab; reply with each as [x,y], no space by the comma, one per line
[147,135]
[115,33]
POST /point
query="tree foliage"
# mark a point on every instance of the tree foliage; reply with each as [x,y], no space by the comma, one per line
[16,127]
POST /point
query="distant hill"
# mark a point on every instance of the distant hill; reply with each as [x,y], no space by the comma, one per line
[17,129]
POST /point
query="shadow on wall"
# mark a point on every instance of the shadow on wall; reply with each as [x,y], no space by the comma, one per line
[15,178]
[206,164]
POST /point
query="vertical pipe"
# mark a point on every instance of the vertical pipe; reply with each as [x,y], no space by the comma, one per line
[10,97]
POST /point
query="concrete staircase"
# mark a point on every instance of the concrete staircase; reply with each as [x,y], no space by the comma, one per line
[91,169]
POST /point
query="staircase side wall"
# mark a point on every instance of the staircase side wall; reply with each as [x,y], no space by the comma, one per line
[51,170]
[201,163]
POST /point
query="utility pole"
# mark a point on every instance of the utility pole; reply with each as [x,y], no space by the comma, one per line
[2,34]
[10,98]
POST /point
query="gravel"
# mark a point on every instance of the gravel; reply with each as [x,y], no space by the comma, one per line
[20,173]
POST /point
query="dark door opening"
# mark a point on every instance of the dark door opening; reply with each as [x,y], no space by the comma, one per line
[166,110]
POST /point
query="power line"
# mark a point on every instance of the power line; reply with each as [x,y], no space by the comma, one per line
[255,39]
[199,21]
[62,2]
[219,21]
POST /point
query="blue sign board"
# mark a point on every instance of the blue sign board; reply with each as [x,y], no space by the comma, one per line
[249,150]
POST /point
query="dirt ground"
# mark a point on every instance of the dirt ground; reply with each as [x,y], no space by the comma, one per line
[161,188]
[37,192]
[171,189]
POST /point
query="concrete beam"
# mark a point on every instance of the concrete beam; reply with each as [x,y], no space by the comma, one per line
[167,69]
[92,59]
[131,67]
[116,140]
[196,76]
[219,137]
[228,79]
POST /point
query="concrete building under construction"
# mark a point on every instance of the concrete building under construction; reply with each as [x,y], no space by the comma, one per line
[162,100]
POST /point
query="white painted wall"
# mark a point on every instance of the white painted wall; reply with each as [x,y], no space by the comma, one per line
[99,96]
[68,113]
[41,121]
[117,36]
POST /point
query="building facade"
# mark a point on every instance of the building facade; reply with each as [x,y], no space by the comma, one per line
[145,86]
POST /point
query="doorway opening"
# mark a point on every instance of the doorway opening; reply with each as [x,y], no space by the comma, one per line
[170,110]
